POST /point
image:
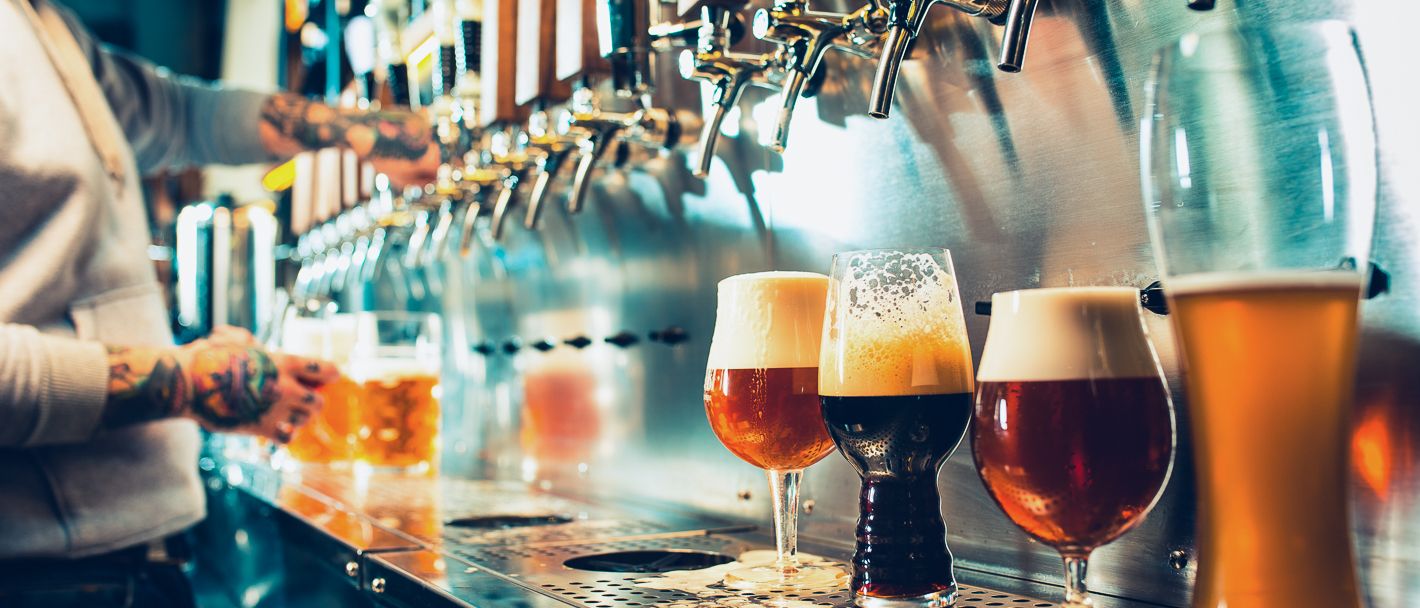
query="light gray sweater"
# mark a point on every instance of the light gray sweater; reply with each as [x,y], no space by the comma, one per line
[74,275]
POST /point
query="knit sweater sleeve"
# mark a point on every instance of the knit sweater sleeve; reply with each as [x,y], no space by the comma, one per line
[52,389]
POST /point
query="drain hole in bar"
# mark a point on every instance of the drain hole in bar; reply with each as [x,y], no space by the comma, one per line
[647,561]
[503,522]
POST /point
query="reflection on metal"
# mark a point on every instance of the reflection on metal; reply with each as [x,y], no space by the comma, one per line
[1031,179]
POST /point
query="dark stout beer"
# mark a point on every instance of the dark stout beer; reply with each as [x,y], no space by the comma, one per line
[768,417]
[1074,463]
[895,383]
[897,444]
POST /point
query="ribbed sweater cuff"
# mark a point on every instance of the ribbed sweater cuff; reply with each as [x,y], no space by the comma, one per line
[75,393]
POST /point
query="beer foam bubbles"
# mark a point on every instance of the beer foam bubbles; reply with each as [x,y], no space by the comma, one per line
[895,329]
[1067,333]
[768,320]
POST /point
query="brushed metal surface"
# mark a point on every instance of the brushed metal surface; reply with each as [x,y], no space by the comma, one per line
[1030,179]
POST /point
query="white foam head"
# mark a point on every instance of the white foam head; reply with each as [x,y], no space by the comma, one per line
[895,330]
[1067,333]
[1263,280]
[768,320]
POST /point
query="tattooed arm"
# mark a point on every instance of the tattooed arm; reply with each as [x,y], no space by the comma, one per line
[222,384]
[399,144]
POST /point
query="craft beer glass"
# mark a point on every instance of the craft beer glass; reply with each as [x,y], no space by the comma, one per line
[1260,187]
[329,437]
[396,362]
[1073,434]
[761,396]
[895,380]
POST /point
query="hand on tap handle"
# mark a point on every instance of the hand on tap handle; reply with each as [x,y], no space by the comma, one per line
[399,144]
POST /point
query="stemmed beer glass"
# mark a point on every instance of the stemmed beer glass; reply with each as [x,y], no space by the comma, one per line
[1260,186]
[896,383]
[1073,433]
[761,396]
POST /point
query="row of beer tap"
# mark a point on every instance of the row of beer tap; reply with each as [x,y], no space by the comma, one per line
[516,102]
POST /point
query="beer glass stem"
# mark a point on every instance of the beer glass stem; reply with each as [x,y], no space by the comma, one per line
[785,488]
[1075,592]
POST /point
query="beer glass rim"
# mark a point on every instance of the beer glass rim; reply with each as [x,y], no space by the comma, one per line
[1082,290]
[1187,43]
[771,274]
[943,252]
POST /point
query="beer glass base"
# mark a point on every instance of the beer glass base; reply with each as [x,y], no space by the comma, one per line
[935,599]
[771,578]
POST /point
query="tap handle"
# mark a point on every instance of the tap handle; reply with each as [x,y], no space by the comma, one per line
[899,37]
[1019,14]
[593,149]
[414,249]
[504,204]
[709,137]
[548,167]
[470,220]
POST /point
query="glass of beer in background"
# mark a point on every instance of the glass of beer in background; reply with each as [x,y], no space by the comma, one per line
[761,396]
[329,438]
[895,380]
[1260,187]
[1073,434]
[396,360]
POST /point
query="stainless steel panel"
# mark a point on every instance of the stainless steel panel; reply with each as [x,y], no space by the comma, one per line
[1030,179]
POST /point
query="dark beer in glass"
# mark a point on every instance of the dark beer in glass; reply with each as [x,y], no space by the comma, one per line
[895,382]
[1073,434]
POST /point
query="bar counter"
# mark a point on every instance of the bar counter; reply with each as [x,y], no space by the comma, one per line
[312,531]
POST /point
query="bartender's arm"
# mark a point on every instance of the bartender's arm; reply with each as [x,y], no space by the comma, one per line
[226,383]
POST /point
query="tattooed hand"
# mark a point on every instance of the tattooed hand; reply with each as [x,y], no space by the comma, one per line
[399,144]
[226,384]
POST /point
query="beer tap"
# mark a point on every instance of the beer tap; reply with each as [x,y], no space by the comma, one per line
[551,148]
[905,19]
[728,71]
[515,164]
[481,184]
[805,36]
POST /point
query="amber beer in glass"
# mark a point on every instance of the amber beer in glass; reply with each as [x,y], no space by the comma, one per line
[329,437]
[1073,433]
[895,382]
[761,397]
[1260,187]
[396,363]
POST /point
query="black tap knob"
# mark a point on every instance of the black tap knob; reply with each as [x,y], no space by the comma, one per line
[622,339]
[578,342]
[670,336]
[544,345]
[512,346]
[983,308]
[485,348]
[1378,282]
[1152,299]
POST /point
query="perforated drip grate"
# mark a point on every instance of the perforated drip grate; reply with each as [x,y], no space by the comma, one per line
[609,592]
[502,557]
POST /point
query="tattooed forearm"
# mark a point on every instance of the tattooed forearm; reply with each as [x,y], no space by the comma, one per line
[144,384]
[291,123]
[232,386]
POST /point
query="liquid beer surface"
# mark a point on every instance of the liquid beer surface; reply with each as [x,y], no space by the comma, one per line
[896,390]
[1269,364]
[761,387]
[1073,434]
[398,414]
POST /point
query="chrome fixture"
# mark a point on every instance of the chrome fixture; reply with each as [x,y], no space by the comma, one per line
[804,36]
[550,148]
[905,18]
[728,71]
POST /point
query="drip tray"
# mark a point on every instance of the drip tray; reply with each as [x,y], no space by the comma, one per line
[505,522]
[647,562]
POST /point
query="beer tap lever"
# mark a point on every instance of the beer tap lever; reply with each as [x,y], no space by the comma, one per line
[728,71]
[551,149]
[805,36]
[905,19]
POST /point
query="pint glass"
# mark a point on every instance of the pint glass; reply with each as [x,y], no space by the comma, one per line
[895,382]
[396,360]
[1260,187]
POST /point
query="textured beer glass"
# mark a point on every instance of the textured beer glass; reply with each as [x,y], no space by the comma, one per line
[1259,174]
[895,382]
[1074,432]
[761,396]
[396,359]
